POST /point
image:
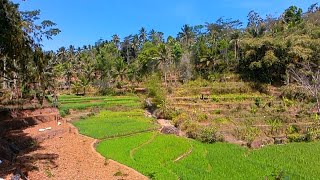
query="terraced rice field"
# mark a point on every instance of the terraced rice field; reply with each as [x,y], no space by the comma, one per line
[67,102]
[111,124]
[155,157]
[161,156]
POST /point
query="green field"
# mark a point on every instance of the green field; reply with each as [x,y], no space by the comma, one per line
[67,102]
[156,155]
[120,115]
[110,124]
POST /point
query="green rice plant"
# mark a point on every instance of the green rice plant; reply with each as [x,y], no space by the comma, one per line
[156,157]
[111,124]
[79,103]
[152,156]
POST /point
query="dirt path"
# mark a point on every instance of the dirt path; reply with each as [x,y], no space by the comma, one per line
[65,154]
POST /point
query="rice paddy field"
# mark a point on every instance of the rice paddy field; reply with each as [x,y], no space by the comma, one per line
[67,102]
[155,157]
[111,124]
[130,138]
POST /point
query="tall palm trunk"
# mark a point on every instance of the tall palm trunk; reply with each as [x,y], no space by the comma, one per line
[235,49]
[4,86]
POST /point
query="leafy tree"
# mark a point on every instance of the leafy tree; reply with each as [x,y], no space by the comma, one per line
[292,16]
[21,56]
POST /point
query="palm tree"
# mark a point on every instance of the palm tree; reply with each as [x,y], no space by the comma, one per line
[116,40]
[135,45]
[126,48]
[142,35]
[186,36]
[235,40]
[120,69]
[165,59]
[153,36]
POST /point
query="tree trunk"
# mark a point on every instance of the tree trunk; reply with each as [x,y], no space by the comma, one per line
[4,73]
[318,105]
[165,78]
[235,50]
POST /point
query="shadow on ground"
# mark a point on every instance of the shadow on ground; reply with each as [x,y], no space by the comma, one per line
[16,147]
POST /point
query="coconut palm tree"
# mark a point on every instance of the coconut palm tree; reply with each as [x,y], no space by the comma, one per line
[116,40]
[142,36]
[186,36]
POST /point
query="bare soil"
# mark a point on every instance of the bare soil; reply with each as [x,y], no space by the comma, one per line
[62,153]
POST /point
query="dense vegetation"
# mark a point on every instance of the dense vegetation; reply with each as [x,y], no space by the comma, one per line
[275,50]
[26,70]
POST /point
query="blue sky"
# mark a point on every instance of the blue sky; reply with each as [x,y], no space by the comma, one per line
[84,22]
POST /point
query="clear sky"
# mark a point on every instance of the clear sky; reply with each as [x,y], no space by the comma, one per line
[83,22]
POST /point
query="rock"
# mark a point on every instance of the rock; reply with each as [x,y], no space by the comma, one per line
[170,130]
[280,140]
[261,141]
[148,103]
[16,177]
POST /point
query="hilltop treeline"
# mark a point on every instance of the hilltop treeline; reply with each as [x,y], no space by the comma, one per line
[262,50]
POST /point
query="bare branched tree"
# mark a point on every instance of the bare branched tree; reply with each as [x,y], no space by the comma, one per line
[308,76]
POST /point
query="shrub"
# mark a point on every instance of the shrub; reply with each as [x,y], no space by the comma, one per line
[190,128]
[287,102]
[292,129]
[216,111]
[313,133]
[199,82]
[64,112]
[222,120]
[257,102]
[155,90]
[107,91]
[247,132]
[253,109]
[261,87]
[201,117]
[181,118]
[164,111]
[275,125]
[215,98]
[295,137]
[208,134]
[294,93]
